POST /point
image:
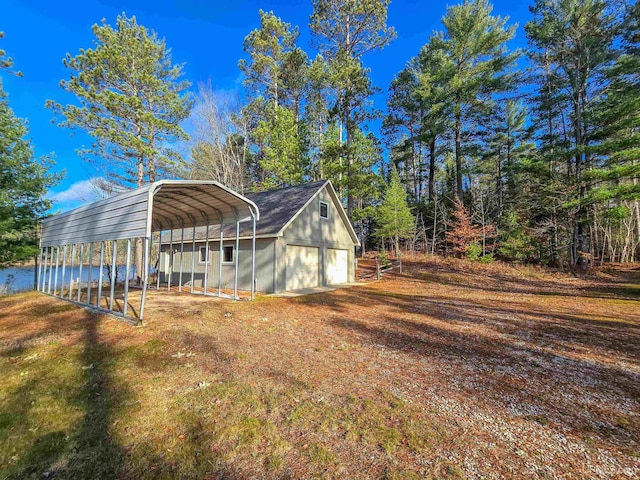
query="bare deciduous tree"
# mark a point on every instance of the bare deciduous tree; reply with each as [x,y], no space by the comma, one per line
[219,151]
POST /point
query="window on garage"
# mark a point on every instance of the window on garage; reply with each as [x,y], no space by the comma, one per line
[203,255]
[324,209]
[227,254]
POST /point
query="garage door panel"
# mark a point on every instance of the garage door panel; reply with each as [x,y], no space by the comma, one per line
[337,266]
[302,267]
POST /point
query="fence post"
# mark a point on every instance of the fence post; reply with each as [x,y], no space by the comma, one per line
[377,268]
[400,265]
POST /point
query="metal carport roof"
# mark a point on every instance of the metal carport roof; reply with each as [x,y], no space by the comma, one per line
[159,206]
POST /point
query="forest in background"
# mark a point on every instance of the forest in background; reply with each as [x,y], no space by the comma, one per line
[483,151]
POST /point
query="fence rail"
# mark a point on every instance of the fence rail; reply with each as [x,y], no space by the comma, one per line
[382,268]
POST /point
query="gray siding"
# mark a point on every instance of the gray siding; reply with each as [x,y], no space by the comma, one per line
[265,249]
[308,228]
[116,218]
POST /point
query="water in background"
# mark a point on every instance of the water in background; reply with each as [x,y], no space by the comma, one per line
[20,279]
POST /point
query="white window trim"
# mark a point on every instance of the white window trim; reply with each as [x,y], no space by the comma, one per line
[200,261]
[233,254]
[320,210]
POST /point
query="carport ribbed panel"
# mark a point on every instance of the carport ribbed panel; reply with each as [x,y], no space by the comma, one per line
[165,204]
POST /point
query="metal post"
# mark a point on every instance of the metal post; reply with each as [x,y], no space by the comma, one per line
[64,269]
[170,261]
[126,282]
[73,258]
[146,255]
[80,271]
[44,270]
[55,278]
[50,269]
[101,273]
[220,261]
[206,258]
[235,276]
[90,274]
[39,270]
[114,272]
[193,256]
[253,256]
[158,264]
[181,256]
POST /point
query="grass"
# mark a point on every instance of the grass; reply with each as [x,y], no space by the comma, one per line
[450,370]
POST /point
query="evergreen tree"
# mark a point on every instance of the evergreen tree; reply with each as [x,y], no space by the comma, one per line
[131,101]
[616,180]
[478,66]
[24,181]
[572,43]
[276,74]
[394,218]
[344,31]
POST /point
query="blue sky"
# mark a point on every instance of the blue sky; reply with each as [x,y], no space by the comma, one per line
[205,35]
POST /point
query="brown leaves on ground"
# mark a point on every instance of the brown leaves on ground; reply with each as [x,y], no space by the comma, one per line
[447,370]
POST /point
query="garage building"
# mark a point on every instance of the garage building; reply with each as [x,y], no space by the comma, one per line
[303,239]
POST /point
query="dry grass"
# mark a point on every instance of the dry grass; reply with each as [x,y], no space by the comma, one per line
[450,370]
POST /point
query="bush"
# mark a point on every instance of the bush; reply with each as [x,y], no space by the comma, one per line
[474,253]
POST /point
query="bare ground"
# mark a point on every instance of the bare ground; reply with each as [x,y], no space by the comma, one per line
[447,370]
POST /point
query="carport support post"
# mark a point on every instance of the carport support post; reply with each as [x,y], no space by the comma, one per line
[126,281]
[235,275]
[146,254]
[253,256]
[55,278]
[39,270]
[80,271]
[170,261]
[220,261]
[90,276]
[158,263]
[44,269]
[50,269]
[64,268]
[193,256]
[114,272]
[100,274]
[206,258]
[73,258]
[181,256]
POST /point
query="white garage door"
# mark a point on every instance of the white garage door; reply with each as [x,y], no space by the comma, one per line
[302,267]
[337,266]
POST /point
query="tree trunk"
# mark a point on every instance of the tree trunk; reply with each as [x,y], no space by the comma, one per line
[350,199]
[432,168]
[458,154]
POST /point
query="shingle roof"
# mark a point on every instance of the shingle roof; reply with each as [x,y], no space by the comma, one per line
[277,207]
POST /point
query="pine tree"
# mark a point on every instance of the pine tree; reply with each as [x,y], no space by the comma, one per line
[394,218]
[478,65]
[131,101]
[572,43]
[616,180]
[24,181]
[345,31]
[276,74]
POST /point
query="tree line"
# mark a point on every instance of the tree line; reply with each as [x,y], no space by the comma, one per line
[485,151]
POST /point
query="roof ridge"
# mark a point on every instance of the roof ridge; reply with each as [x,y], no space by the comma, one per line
[305,184]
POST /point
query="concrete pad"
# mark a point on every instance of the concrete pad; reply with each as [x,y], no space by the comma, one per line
[312,290]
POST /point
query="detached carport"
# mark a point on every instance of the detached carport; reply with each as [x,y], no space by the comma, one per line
[132,218]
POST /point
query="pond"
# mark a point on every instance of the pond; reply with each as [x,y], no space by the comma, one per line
[20,279]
